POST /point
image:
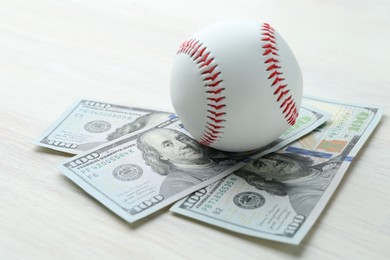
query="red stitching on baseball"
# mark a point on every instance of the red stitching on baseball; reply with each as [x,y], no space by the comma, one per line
[273,66]
[217,114]
[216,99]
[286,100]
[282,94]
[215,126]
[289,105]
[216,120]
[217,91]
[277,80]
[213,90]
[213,77]
[214,84]
[216,107]
[271,60]
[280,87]
[270,49]
[210,70]
[273,74]
[213,130]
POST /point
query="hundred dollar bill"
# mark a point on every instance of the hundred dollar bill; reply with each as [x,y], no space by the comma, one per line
[280,195]
[88,124]
[143,172]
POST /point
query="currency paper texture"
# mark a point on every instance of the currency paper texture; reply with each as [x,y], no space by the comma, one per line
[88,124]
[140,173]
[280,195]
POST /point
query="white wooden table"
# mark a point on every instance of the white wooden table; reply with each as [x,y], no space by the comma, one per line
[120,51]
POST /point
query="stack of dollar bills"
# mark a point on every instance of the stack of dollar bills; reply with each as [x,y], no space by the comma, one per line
[136,161]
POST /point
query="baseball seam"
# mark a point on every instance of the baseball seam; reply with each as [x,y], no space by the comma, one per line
[270,51]
[214,90]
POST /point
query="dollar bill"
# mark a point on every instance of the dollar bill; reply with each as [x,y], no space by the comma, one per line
[280,195]
[143,172]
[88,124]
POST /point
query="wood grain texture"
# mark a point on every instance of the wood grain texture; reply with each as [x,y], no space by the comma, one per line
[54,52]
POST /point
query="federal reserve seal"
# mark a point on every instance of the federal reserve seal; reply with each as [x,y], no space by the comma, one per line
[249,200]
[127,172]
[97,126]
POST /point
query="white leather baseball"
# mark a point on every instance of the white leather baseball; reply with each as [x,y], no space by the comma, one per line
[236,85]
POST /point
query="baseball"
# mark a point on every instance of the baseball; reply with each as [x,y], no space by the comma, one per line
[236,85]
